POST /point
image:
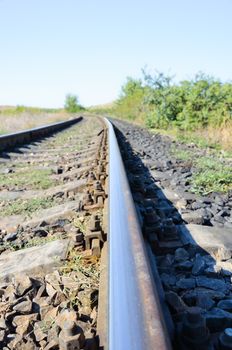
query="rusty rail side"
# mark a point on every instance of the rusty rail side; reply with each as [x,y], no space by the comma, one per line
[19,138]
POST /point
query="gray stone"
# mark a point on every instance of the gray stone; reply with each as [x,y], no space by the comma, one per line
[38,259]
[187,195]
[175,302]
[204,302]
[23,322]
[217,320]
[199,265]
[184,266]
[181,255]
[225,339]
[2,323]
[225,304]
[197,205]
[226,267]
[39,331]
[22,283]
[52,345]
[181,204]
[224,254]
[219,200]
[10,223]
[66,315]
[70,282]
[211,283]
[2,336]
[168,280]
[212,271]
[54,280]
[23,307]
[209,260]
[50,290]
[14,341]
[186,283]
[191,295]
[215,241]
[10,237]
[228,225]
[42,305]
[53,333]
[194,217]
[219,218]
[9,293]
[166,261]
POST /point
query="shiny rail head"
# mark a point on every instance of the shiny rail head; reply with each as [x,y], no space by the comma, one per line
[135,319]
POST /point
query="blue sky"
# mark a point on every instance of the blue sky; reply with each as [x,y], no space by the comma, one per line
[49,48]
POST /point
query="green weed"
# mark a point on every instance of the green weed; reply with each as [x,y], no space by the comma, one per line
[181,154]
[29,244]
[26,206]
[199,141]
[32,178]
[210,181]
[40,241]
[211,175]
[88,266]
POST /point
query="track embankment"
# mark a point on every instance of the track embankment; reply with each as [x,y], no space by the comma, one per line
[104,246]
[188,238]
[51,220]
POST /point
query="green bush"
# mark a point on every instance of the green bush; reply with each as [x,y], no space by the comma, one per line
[189,105]
[71,104]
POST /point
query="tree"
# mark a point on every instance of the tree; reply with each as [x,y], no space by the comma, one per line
[71,104]
[131,87]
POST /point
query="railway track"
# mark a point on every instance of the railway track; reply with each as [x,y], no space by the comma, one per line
[84,265]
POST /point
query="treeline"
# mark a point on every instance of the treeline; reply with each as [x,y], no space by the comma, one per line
[159,102]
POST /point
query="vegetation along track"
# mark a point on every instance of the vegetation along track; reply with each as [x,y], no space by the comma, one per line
[166,280]
[188,238]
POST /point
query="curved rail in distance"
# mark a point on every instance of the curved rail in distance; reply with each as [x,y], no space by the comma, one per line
[135,319]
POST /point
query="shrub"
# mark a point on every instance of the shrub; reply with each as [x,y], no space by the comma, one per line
[71,104]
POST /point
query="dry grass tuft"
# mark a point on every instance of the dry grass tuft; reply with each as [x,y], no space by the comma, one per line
[221,135]
[26,120]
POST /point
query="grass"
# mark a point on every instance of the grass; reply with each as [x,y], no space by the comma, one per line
[88,274]
[211,175]
[16,119]
[27,207]
[88,266]
[210,181]
[30,178]
[29,244]
[3,131]
[81,223]
[218,139]
[46,325]
[181,154]
[198,140]
[40,241]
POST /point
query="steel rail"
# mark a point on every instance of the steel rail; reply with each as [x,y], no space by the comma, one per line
[22,137]
[135,319]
